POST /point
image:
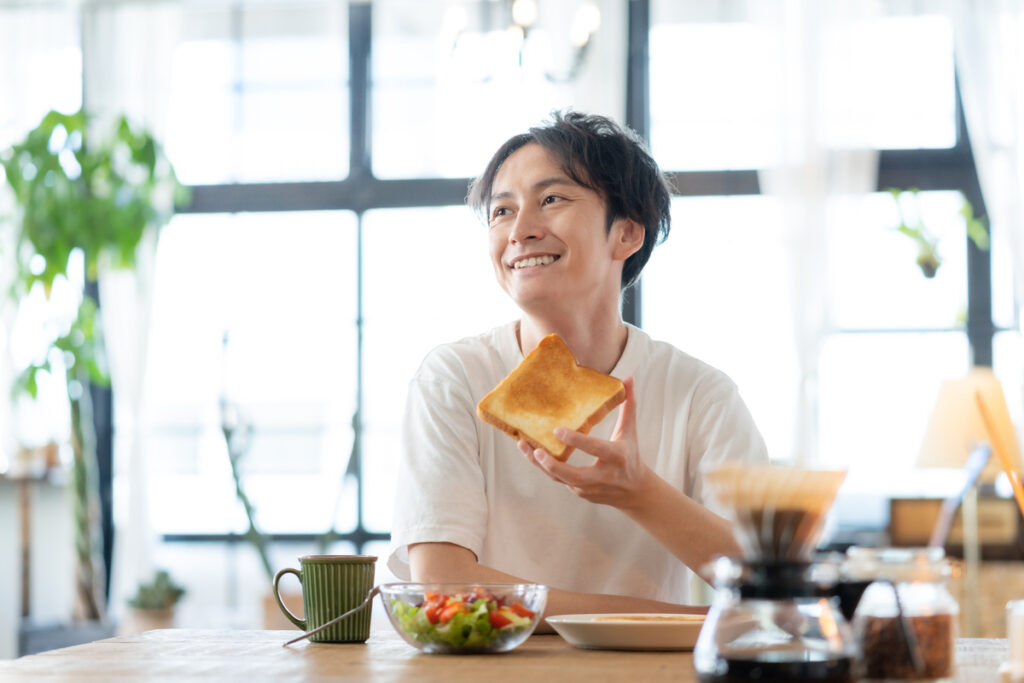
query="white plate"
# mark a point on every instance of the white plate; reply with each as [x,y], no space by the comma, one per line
[629,631]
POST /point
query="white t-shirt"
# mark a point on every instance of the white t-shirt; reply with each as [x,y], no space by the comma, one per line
[465,482]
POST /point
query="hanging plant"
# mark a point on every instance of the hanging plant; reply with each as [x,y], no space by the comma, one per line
[928,257]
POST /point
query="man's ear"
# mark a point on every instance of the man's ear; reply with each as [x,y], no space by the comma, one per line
[629,237]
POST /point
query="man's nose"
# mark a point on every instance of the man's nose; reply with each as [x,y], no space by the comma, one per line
[528,226]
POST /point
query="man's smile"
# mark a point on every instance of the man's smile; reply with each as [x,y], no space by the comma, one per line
[533,261]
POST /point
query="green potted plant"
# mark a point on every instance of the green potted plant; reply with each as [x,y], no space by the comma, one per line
[82,193]
[153,605]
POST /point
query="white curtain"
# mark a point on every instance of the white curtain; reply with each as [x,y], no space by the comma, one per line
[8,440]
[43,42]
[8,311]
[126,298]
[989,37]
[128,62]
[820,172]
[39,51]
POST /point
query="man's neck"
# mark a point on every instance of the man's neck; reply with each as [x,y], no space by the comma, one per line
[596,341]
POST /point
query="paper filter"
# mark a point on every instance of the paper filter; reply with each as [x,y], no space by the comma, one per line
[778,512]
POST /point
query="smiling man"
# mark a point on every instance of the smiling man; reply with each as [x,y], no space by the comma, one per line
[573,210]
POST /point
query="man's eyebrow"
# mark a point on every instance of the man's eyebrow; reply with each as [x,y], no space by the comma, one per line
[539,185]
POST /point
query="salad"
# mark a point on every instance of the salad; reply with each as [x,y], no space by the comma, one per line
[474,621]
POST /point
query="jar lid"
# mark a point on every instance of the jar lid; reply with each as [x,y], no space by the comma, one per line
[896,564]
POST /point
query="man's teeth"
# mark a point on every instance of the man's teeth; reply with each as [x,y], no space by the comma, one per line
[534,261]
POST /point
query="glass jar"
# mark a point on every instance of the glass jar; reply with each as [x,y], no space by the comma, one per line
[906,621]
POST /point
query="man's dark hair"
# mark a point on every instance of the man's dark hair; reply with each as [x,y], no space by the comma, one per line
[611,160]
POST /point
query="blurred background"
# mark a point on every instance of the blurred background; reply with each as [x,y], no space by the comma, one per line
[259,360]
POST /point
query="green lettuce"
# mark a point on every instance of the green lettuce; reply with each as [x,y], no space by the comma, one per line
[465,631]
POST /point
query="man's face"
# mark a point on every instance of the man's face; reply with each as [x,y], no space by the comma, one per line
[548,239]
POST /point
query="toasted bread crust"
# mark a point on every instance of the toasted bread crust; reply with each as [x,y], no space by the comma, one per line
[550,389]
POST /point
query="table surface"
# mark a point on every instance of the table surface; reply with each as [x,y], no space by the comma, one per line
[223,655]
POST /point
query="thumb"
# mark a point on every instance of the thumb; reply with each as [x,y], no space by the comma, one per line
[626,423]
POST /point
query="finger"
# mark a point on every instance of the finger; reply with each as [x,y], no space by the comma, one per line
[626,423]
[599,448]
[565,473]
[531,455]
[540,458]
[576,491]
[527,452]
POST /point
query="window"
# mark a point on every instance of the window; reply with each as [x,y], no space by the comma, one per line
[44,43]
[264,315]
[720,86]
[718,289]
[259,92]
[891,334]
[427,280]
[452,81]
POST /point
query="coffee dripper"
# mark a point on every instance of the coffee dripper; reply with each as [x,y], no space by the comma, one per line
[775,613]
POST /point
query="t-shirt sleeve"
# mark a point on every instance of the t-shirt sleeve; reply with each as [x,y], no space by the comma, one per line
[440,493]
[723,432]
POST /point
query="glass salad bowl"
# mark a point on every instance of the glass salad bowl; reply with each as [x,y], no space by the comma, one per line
[447,618]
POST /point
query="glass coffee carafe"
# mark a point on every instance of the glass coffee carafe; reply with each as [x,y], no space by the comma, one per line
[776,613]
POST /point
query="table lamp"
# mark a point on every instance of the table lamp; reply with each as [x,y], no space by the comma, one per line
[970,418]
[957,425]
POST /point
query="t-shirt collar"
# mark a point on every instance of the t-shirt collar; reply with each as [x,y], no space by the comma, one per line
[623,368]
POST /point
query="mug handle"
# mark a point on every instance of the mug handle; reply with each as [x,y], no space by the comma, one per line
[301,623]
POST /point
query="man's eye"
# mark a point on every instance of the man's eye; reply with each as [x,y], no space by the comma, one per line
[551,199]
[499,212]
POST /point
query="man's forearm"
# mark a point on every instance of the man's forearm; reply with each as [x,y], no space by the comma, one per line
[690,531]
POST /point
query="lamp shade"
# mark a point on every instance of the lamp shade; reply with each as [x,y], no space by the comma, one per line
[956,425]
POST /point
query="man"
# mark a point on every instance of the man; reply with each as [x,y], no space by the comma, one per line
[573,209]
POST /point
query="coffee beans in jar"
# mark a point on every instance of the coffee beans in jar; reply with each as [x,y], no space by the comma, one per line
[927,654]
[906,619]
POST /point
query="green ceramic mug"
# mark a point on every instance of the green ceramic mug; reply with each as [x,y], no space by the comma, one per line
[331,586]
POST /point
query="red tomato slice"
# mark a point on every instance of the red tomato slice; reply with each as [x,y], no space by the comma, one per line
[451,610]
[432,605]
[498,620]
[522,611]
[433,612]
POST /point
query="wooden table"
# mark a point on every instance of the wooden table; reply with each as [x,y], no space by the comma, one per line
[183,654]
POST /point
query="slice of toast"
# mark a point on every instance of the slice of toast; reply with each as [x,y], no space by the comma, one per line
[550,389]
